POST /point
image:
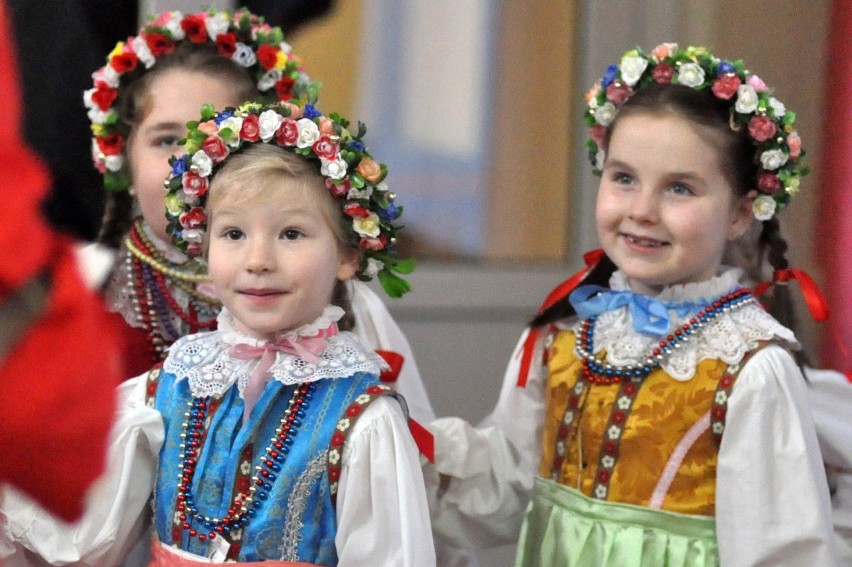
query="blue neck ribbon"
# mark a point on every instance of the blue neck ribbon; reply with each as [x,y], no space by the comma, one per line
[650,315]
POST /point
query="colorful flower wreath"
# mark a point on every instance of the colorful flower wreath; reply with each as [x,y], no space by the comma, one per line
[242,38]
[341,158]
[778,148]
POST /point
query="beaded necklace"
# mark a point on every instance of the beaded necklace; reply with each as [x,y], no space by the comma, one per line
[246,504]
[598,372]
[150,275]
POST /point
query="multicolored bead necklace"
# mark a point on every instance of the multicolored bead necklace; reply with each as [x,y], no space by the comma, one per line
[598,372]
[154,303]
[247,503]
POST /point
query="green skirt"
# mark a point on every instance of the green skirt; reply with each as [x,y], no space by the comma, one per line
[563,527]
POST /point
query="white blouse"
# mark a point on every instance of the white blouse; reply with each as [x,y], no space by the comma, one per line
[772,502]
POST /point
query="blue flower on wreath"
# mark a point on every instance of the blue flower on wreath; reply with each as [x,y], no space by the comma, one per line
[357,146]
[390,213]
[224,115]
[312,112]
[179,166]
[725,67]
[609,76]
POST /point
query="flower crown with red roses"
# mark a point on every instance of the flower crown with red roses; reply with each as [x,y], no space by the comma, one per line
[241,37]
[778,150]
[349,171]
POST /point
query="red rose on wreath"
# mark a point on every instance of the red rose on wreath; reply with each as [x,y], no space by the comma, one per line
[267,56]
[124,62]
[215,147]
[284,88]
[288,132]
[338,190]
[159,44]
[193,218]
[663,73]
[768,183]
[195,28]
[226,44]
[761,128]
[355,210]
[617,93]
[110,145]
[325,148]
[250,130]
[104,96]
[726,86]
[194,184]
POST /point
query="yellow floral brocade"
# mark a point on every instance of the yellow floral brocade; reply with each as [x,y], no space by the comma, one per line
[662,412]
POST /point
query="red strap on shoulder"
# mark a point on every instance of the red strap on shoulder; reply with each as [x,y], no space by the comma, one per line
[592,259]
[395,361]
[423,438]
[816,302]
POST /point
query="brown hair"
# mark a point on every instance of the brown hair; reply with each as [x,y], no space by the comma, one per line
[132,105]
[253,170]
[737,159]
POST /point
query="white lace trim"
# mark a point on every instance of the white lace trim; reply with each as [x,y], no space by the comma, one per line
[204,361]
[727,337]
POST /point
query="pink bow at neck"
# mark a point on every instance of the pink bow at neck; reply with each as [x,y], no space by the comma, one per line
[306,348]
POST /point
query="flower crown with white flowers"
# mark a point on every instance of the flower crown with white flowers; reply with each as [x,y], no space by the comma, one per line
[778,148]
[350,174]
[241,37]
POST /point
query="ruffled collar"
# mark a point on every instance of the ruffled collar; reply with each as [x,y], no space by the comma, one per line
[728,337]
[205,359]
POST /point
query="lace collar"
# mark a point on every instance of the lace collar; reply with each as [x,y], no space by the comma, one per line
[205,361]
[728,337]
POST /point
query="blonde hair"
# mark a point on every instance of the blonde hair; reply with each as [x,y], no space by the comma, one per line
[254,171]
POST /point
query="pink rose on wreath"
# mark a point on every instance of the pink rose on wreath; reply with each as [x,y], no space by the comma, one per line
[250,130]
[794,142]
[288,132]
[761,128]
[338,190]
[379,243]
[597,133]
[757,83]
[326,126]
[215,147]
[618,92]
[663,73]
[768,183]
[193,218]
[194,184]
[369,169]
[296,111]
[210,128]
[355,210]
[325,148]
[664,50]
[726,86]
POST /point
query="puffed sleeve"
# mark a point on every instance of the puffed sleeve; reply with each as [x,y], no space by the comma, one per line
[772,505]
[382,513]
[485,474]
[114,516]
[376,328]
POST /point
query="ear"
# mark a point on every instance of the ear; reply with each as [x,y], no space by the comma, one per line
[350,260]
[742,215]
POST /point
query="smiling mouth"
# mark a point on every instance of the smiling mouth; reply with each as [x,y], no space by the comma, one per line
[644,242]
[261,292]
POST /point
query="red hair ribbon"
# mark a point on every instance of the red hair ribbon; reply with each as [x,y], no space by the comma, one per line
[814,298]
[395,361]
[592,259]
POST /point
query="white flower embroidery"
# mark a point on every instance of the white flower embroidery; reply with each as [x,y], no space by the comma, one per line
[245,467]
[613,432]
[624,402]
[608,462]
[600,491]
[718,428]
[721,397]
[569,417]
[333,456]
[343,424]
[560,448]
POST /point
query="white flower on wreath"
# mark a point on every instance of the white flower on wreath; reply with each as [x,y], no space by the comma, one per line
[268,80]
[97,116]
[108,75]
[193,235]
[605,114]
[690,75]
[173,26]
[764,207]
[142,51]
[335,169]
[202,162]
[114,163]
[632,68]
[600,158]
[216,25]
[308,133]
[268,123]
[364,193]
[772,159]
[235,123]
[373,267]
[778,108]
[244,55]
[746,99]
[367,226]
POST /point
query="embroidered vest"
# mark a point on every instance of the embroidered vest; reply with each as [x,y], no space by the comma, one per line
[296,522]
[652,442]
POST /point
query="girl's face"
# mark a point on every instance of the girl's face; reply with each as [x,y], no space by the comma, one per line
[665,209]
[275,261]
[174,98]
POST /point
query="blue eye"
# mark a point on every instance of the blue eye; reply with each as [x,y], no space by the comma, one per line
[680,189]
[622,178]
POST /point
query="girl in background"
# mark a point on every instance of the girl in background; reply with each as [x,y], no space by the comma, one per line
[660,417]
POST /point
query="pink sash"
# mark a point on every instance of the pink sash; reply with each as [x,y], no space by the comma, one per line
[163,556]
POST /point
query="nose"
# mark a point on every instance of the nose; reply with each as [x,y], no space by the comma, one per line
[645,206]
[260,257]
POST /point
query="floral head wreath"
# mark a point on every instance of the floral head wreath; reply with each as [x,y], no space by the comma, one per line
[241,37]
[778,148]
[341,158]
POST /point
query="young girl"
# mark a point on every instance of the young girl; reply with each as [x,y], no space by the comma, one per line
[660,419]
[279,444]
[151,86]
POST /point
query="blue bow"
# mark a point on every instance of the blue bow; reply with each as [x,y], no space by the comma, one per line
[650,316]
